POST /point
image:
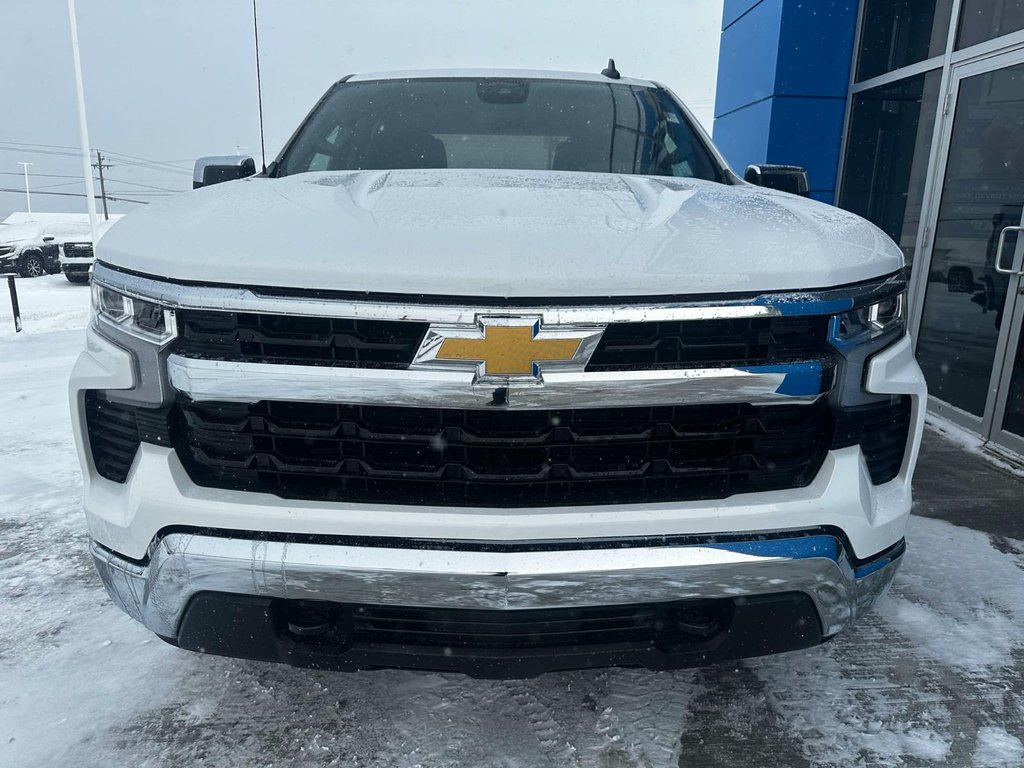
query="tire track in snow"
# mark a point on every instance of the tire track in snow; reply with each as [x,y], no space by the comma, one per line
[642,716]
[551,735]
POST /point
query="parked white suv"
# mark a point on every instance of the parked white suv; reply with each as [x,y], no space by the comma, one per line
[501,372]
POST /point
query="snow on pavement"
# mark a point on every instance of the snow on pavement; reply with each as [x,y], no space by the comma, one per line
[932,677]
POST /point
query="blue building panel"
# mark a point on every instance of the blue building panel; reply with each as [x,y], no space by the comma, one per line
[816,48]
[742,135]
[746,59]
[783,77]
[733,9]
[808,132]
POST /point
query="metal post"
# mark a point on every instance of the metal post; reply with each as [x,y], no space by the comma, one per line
[14,303]
[28,197]
[83,128]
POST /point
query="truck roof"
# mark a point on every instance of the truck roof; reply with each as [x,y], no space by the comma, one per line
[535,74]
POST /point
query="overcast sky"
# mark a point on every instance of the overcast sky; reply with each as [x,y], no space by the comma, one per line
[166,82]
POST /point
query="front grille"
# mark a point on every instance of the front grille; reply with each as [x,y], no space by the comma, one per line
[537,628]
[712,343]
[881,429]
[298,340]
[392,344]
[113,436]
[115,431]
[78,250]
[496,458]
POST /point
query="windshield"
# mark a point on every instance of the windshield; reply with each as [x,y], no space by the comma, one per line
[524,124]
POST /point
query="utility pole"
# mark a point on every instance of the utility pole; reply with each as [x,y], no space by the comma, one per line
[103,190]
[28,197]
[83,129]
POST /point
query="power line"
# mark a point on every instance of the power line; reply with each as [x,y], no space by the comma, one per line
[140,184]
[75,179]
[77,194]
[61,184]
[42,175]
[109,152]
[127,161]
[148,160]
[38,151]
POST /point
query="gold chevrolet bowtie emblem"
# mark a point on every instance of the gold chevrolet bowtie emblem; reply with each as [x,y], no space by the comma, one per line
[509,350]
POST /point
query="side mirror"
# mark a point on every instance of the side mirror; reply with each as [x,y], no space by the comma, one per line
[785,178]
[214,170]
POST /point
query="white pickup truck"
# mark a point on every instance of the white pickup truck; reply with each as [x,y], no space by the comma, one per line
[502,372]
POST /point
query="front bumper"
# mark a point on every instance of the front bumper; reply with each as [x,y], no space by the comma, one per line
[76,266]
[243,582]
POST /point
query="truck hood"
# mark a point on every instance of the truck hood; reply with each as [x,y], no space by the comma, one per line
[499,234]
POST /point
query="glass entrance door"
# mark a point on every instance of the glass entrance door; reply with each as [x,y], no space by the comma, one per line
[968,339]
[1008,416]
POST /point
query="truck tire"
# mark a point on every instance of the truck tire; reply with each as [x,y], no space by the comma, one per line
[32,265]
[77,278]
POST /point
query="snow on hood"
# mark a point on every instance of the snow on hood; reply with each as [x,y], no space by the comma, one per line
[499,234]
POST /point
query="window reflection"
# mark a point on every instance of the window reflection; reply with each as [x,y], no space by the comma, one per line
[983,192]
[887,155]
[897,33]
[982,20]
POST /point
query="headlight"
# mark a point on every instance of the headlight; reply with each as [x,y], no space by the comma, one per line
[885,318]
[140,318]
[6,250]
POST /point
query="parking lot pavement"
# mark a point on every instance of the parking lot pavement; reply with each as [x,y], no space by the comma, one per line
[932,677]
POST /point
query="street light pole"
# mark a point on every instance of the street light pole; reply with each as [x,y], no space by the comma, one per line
[83,128]
[28,197]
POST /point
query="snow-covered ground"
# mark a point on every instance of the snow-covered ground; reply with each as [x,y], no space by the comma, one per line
[934,676]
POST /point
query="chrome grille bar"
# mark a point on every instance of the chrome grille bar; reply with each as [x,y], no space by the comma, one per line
[238,382]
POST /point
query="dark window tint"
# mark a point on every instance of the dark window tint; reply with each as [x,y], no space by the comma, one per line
[491,123]
[965,305]
[887,155]
[897,33]
[982,20]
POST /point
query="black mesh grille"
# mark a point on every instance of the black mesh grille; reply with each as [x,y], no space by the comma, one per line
[881,429]
[393,344]
[113,436]
[502,458]
[688,343]
[543,628]
[78,250]
[298,340]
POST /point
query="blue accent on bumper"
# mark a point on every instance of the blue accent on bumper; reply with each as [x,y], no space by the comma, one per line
[799,379]
[794,549]
[797,306]
[868,568]
[804,547]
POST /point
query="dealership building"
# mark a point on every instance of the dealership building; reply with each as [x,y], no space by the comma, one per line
[911,114]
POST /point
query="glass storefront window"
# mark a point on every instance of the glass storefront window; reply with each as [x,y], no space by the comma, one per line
[982,20]
[897,33]
[890,138]
[982,192]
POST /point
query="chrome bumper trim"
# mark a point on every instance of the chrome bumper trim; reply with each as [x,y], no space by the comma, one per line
[240,382]
[242,299]
[182,565]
